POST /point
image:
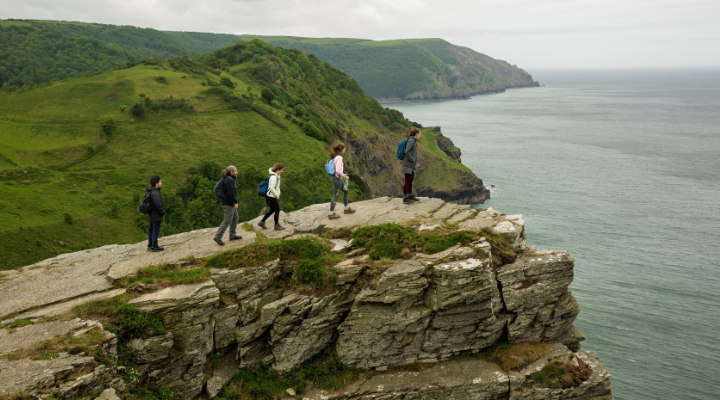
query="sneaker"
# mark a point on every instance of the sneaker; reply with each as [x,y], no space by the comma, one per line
[262,224]
[219,241]
[408,200]
[278,227]
[156,249]
[236,238]
[413,198]
[349,211]
[333,216]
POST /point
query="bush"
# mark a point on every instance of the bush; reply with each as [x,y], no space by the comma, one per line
[312,130]
[68,219]
[139,110]
[225,81]
[309,270]
[267,95]
[108,126]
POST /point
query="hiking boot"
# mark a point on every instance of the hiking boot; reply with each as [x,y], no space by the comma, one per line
[408,200]
[236,238]
[413,198]
[349,211]
[219,241]
[262,224]
[333,216]
[156,249]
[279,227]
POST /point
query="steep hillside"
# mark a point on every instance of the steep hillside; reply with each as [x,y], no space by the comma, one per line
[397,69]
[77,153]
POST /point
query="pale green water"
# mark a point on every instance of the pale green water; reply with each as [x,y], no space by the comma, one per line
[622,168]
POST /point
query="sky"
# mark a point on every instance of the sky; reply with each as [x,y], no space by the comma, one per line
[529,33]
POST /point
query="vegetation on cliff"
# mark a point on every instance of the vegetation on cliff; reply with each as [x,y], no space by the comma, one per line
[76,154]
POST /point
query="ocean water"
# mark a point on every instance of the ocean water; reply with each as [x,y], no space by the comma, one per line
[621,168]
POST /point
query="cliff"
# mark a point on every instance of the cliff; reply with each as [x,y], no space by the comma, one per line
[429,300]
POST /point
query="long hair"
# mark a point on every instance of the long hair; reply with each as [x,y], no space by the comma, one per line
[277,167]
[413,132]
[336,148]
[224,173]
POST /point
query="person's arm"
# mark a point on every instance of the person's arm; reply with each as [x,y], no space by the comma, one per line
[409,155]
[339,168]
[230,191]
[157,203]
[271,186]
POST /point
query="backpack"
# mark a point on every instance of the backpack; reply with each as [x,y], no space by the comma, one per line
[263,188]
[146,206]
[220,189]
[400,153]
[330,166]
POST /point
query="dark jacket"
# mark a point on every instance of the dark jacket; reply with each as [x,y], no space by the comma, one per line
[410,161]
[156,202]
[230,190]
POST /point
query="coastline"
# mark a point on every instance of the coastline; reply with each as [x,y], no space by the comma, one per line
[468,97]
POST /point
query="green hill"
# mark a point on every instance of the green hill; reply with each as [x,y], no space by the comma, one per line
[76,154]
[396,69]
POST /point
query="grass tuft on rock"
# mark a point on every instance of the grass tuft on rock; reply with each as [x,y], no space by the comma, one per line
[502,251]
[50,348]
[562,373]
[324,371]
[149,393]
[121,318]
[164,275]
[313,257]
[389,240]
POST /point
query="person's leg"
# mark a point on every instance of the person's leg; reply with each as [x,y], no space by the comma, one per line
[150,235]
[269,202]
[337,188]
[410,184]
[233,224]
[407,186]
[155,229]
[228,211]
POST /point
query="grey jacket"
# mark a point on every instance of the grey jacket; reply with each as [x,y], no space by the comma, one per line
[410,161]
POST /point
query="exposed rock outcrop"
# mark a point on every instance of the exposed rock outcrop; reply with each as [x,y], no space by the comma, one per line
[427,308]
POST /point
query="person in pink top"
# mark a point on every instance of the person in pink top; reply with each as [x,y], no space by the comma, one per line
[337,149]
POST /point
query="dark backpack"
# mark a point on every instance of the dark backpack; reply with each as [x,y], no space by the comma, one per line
[146,205]
[220,189]
[263,188]
[400,153]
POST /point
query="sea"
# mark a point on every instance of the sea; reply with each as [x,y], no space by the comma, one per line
[622,169]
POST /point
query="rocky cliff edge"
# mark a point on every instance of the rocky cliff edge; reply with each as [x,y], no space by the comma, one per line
[442,311]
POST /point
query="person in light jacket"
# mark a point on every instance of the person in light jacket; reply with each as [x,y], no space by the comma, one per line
[337,149]
[272,198]
[409,164]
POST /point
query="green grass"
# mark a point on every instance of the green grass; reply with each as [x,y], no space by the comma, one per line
[389,240]
[50,348]
[562,374]
[169,274]
[324,371]
[121,318]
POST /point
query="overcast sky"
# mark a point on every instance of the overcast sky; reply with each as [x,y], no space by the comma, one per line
[529,33]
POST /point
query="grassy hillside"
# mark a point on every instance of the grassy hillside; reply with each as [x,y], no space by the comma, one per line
[399,69]
[75,155]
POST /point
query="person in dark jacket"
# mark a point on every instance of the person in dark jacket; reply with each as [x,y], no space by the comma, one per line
[157,210]
[409,164]
[229,205]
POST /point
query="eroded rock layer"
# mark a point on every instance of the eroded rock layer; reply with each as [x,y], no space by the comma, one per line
[425,308]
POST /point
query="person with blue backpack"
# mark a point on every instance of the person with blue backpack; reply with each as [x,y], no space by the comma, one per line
[334,168]
[272,196]
[407,152]
[226,189]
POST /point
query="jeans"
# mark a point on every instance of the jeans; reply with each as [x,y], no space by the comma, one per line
[231,221]
[153,233]
[337,188]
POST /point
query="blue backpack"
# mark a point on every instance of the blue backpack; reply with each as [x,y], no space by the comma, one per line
[263,188]
[330,166]
[400,153]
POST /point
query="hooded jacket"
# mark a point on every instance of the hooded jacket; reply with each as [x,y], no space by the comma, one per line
[273,185]
[409,163]
[157,209]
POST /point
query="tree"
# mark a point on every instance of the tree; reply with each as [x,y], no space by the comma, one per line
[267,95]
[225,81]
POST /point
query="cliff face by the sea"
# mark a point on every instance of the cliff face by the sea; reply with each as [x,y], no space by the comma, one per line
[436,323]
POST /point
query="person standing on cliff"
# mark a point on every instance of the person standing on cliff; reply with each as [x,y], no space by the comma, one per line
[229,205]
[337,149]
[157,210]
[272,197]
[409,164]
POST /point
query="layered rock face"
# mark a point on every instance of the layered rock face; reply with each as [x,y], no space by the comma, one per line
[434,309]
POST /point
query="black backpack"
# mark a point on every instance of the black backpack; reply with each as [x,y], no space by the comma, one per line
[146,205]
[220,189]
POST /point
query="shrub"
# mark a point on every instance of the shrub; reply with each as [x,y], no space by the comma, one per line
[267,95]
[312,130]
[68,219]
[108,126]
[562,374]
[309,270]
[162,79]
[225,81]
[139,110]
